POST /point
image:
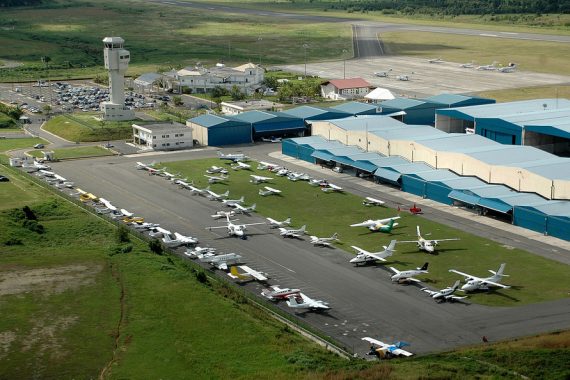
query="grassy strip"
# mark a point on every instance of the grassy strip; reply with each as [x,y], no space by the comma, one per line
[308,205]
[547,57]
[27,142]
[7,131]
[83,151]
[85,128]
[543,92]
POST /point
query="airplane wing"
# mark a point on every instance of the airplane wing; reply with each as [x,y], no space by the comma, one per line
[375,341]
[412,279]
[366,253]
[222,266]
[430,292]
[407,241]
[494,284]
[468,276]
[452,297]
[252,224]
[438,240]
[239,207]
[211,228]
[394,270]
[367,223]
[257,275]
[272,189]
[399,351]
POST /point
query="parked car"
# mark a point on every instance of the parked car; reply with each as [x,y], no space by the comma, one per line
[4,178]
[39,146]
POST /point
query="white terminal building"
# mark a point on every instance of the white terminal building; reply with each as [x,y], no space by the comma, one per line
[117,62]
[162,136]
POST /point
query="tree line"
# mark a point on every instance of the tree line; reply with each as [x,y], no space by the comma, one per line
[19,3]
[455,7]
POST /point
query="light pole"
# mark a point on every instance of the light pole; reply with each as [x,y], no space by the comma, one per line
[344,63]
[305,46]
[259,39]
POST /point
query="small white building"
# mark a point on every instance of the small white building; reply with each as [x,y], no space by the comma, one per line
[235,108]
[344,89]
[163,136]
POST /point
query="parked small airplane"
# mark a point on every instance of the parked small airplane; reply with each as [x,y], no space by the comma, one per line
[223,214]
[407,275]
[301,301]
[477,283]
[275,293]
[365,257]
[378,225]
[282,172]
[143,226]
[332,188]
[369,201]
[216,179]
[131,219]
[235,157]
[216,169]
[318,182]
[158,232]
[217,197]
[240,165]
[256,179]
[267,165]
[276,224]
[491,67]
[325,242]
[268,191]
[444,294]
[40,166]
[404,78]
[141,166]
[244,210]
[272,139]
[427,245]
[177,240]
[169,176]
[235,229]
[436,60]
[296,176]
[195,190]
[468,65]
[510,68]
[233,202]
[249,275]
[126,213]
[382,74]
[222,262]
[387,350]
[200,252]
[293,233]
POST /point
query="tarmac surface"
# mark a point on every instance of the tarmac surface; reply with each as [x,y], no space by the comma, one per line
[364,301]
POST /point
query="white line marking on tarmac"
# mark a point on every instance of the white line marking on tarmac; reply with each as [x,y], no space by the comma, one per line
[282,266]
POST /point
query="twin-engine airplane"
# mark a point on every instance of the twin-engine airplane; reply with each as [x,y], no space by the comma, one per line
[365,257]
[222,262]
[382,225]
[427,245]
[235,157]
[275,293]
[408,275]
[177,240]
[387,350]
[235,229]
[301,301]
[268,191]
[477,283]
[276,224]
[256,179]
[293,233]
[369,201]
[324,242]
[248,274]
[445,294]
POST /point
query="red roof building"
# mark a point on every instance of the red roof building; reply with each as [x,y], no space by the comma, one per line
[342,89]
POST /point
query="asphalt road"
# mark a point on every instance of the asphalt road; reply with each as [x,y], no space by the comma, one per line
[364,301]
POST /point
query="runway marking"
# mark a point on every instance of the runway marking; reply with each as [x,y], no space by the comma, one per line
[282,266]
[487,35]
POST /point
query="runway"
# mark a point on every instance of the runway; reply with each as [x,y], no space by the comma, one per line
[364,301]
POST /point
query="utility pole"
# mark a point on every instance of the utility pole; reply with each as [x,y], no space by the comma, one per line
[305,46]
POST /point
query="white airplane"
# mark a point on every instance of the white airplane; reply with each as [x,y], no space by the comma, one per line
[365,257]
[126,213]
[382,74]
[217,197]
[272,139]
[276,224]
[425,244]
[510,68]
[477,283]
[240,165]
[268,191]
[436,60]
[169,176]
[200,252]
[46,173]
[177,240]
[318,182]
[378,224]
[295,176]
[248,275]
[223,214]
[332,188]
[267,165]
[216,179]
[387,350]
[325,242]
[141,166]
[468,65]
[369,201]
[143,226]
[195,190]
[244,210]
[158,232]
[301,301]
[407,275]
[403,78]
[41,166]
[491,67]
[444,294]
[216,169]
[222,262]
[235,157]
[235,229]
[282,172]
[275,293]
[233,202]
[256,179]
[293,233]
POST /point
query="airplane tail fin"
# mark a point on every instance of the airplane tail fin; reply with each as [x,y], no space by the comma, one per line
[292,300]
[500,272]
[241,199]
[456,285]
[335,236]
[253,206]
[287,221]
[391,247]
[227,193]
[302,229]
[424,267]
[401,344]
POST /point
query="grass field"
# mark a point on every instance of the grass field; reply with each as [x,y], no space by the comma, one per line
[83,151]
[546,57]
[308,205]
[546,92]
[6,131]
[83,127]
[27,142]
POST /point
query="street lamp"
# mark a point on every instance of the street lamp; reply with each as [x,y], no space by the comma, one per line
[344,63]
[305,46]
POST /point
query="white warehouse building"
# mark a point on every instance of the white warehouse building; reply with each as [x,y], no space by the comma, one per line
[162,136]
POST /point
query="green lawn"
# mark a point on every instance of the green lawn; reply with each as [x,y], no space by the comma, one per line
[546,92]
[6,131]
[308,205]
[27,142]
[546,57]
[83,127]
[18,191]
[83,151]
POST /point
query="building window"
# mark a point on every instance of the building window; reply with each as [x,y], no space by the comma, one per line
[154,137]
[167,144]
[181,134]
[167,136]
[154,145]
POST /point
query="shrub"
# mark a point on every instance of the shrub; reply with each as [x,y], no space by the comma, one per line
[13,240]
[122,235]
[156,247]
[33,226]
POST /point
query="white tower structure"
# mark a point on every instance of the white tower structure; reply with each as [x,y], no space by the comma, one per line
[116,61]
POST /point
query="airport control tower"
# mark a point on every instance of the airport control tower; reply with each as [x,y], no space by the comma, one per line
[116,61]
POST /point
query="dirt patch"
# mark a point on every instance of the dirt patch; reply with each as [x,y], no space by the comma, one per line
[6,339]
[48,280]
[45,337]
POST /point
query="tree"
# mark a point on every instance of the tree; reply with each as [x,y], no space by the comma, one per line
[177,100]
[47,109]
[236,93]
[46,60]
[218,92]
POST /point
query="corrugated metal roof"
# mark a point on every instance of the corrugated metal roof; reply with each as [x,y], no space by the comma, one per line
[355,108]
[253,116]
[554,208]
[463,183]
[409,132]
[413,167]
[449,142]
[509,154]
[457,99]
[210,120]
[321,155]
[503,109]
[307,140]
[560,170]
[387,175]
[402,103]
[435,175]
[305,112]
[390,161]
[464,197]
[370,122]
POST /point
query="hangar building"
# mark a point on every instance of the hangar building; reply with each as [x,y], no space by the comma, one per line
[268,124]
[216,130]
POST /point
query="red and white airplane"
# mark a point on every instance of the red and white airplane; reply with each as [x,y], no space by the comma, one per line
[275,293]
